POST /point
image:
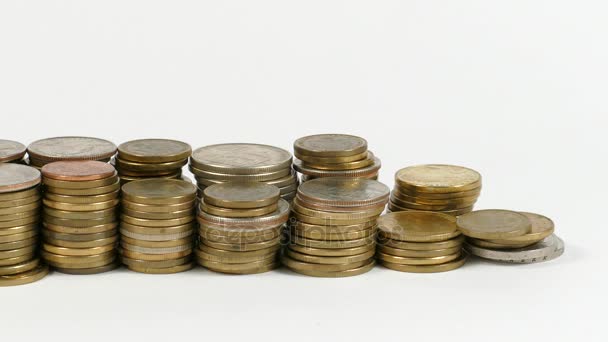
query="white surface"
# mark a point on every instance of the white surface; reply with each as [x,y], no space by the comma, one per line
[514,89]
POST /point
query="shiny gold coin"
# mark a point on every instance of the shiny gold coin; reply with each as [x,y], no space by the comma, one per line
[72,185]
[242,247]
[155,257]
[236,258]
[159,191]
[494,224]
[238,255]
[17,260]
[20,202]
[84,192]
[300,265]
[155,264]
[258,177]
[83,244]
[422,246]
[337,274]
[242,195]
[405,193]
[334,237]
[305,227]
[240,239]
[226,212]
[25,278]
[157,223]
[419,254]
[427,207]
[81,215]
[6,246]
[541,228]
[81,207]
[166,270]
[70,199]
[17,252]
[154,150]
[165,208]
[333,260]
[435,178]
[74,260]
[330,145]
[15,177]
[18,230]
[19,268]
[66,267]
[417,226]
[331,160]
[18,195]
[338,252]
[248,268]
[342,166]
[33,219]
[102,228]
[20,215]
[157,244]
[333,244]
[344,191]
[92,270]
[78,251]
[159,231]
[448,266]
[18,236]
[494,245]
[417,261]
[188,213]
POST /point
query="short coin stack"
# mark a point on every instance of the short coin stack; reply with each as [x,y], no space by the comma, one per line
[222,163]
[12,152]
[334,155]
[447,189]
[151,158]
[419,242]
[334,229]
[157,225]
[508,236]
[240,227]
[49,150]
[19,218]
[80,231]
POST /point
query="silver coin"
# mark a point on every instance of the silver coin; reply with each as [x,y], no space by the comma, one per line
[71,148]
[11,150]
[548,249]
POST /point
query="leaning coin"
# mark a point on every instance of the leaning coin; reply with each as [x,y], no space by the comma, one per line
[25,278]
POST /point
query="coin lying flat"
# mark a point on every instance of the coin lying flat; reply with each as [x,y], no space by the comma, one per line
[241,195]
[418,226]
[159,191]
[448,266]
[241,158]
[548,249]
[86,170]
[71,148]
[435,178]
[92,270]
[421,246]
[358,164]
[334,274]
[15,177]
[305,266]
[328,145]
[332,159]
[25,278]
[494,224]
[344,191]
[154,150]
[11,150]
[364,172]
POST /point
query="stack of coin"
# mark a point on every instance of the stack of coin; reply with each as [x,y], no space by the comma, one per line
[447,189]
[240,227]
[80,231]
[12,152]
[49,150]
[19,218]
[151,158]
[508,236]
[419,242]
[333,232]
[334,155]
[223,163]
[157,225]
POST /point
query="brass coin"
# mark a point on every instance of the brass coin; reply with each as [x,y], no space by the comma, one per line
[426,207]
[238,255]
[11,150]
[239,239]
[160,231]
[154,150]
[419,254]
[448,266]
[20,202]
[83,244]
[364,214]
[248,268]
[73,268]
[82,199]
[305,227]
[159,216]
[342,166]
[242,195]
[300,265]
[18,236]
[124,179]
[337,274]
[494,224]
[332,160]
[122,164]
[17,195]
[75,260]
[240,232]
[166,270]
[83,185]
[330,221]
[17,252]
[155,264]
[274,219]
[541,228]
[225,212]
[86,271]
[155,257]
[157,223]
[79,237]
[157,250]
[78,171]
[333,244]
[18,230]
[33,219]
[156,237]
[165,208]
[417,261]
[81,207]
[157,244]
[19,268]
[71,148]
[241,159]
[435,178]
[80,215]
[242,247]
[15,177]
[422,246]
[291,179]
[398,197]
[258,177]
[17,260]
[333,260]
[20,215]
[235,258]
[336,237]
[78,251]
[6,246]
[138,175]
[330,145]
[20,209]
[344,192]
[338,209]
[494,245]
[84,192]
[335,252]
[395,208]
[405,193]
[102,228]
[25,278]
[364,172]
[418,226]
[159,191]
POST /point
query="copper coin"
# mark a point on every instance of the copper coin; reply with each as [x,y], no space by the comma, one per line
[86,170]
[15,177]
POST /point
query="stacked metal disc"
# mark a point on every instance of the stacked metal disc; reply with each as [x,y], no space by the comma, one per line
[419,242]
[19,218]
[12,152]
[157,225]
[223,163]
[241,225]
[448,189]
[80,221]
[509,236]
[50,150]
[333,232]
[151,158]
[334,155]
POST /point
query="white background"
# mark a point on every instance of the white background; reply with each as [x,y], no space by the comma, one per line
[515,89]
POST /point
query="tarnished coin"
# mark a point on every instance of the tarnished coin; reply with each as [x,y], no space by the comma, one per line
[542,227]
[226,212]
[92,270]
[16,177]
[274,219]
[364,172]
[494,224]
[78,171]
[154,150]
[112,188]
[356,270]
[71,148]
[19,209]
[165,270]
[419,254]
[343,166]
[448,266]
[11,150]
[548,249]
[7,246]
[241,159]
[404,193]
[316,235]
[422,246]
[330,145]
[100,239]
[159,191]
[344,191]
[301,265]
[84,244]
[149,168]
[26,277]
[332,160]
[435,178]
[248,268]
[432,207]
[418,226]
[241,195]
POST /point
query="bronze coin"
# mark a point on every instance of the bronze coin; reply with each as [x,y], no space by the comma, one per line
[85,170]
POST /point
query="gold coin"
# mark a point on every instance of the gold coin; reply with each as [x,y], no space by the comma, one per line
[165,270]
[157,250]
[92,270]
[155,257]
[333,244]
[542,227]
[25,278]
[158,231]
[154,150]
[165,208]
[238,255]
[18,236]
[80,259]
[162,173]
[364,172]
[81,215]
[80,185]
[20,215]
[330,145]
[405,193]
[344,191]
[78,251]
[417,226]
[418,254]
[84,192]
[15,177]
[82,199]
[236,258]
[18,230]
[494,224]
[337,274]
[338,252]
[20,222]
[240,232]
[16,260]
[342,166]
[331,221]
[159,216]
[236,247]
[83,244]
[299,207]
[242,195]
[17,195]
[18,244]
[300,265]
[241,159]
[332,160]
[398,197]
[448,266]
[248,268]
[17,252]
[435,178]
[20,202]
[427,207]
[333,237]
[102,228]
[239,239]
[494,245]
[155,264]
[457,212]
[19,268]
[66,267]
[157,244]
[422,246]
[333,260]
[258,177]
[81,207]
[225,212]
[305,227]
[159,191]
[417,261]
[122,164]
[79,237]
[278,217]
[156,223]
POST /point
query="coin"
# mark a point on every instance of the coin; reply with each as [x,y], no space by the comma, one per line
[435,178]
[18,244]
[15,177]
[18,236]
[86,271]
[81,185]
[358,270]
[156,222]
[149,167]
[419,254]
[18,229]
[156,250]
[344,192]
[19,209]
[164,208]
[157,244]
[20,221]
[84,267]
[330,259]
[333,159]
[11,151]
[330,145]
[71,148]
[239,254]
[17,252]
[242,247]
[495,245]
[494,224]
[397,197]
[248,268]
[102,228]
[20,215]
[548,249]
[542,227]
[85,192]
[417,261]
[296,264]
[81,207]
[258,177]
[239,239]
[450,196]
[240,232]
[457,212]
[428,207]
[448,266]
[421,246]
[155,257]
[342,166]
[16,260]
[335,237]
[348,215]
[272,220]
[225,212]
[364,172]
[236,258]
[417,226]
[160,231]
[305,227]
[81,215]
[159,191]
[78,171]
[19,194]
[154,150]
[332,244]
[110,235]
[77,251]
[165,270]
[20,202]
[241,159]
[25,278]
[86,244]
[329,221]
[156,237]
[74,260]
[332,252]
[188,213]
[155,264]
[241,195]
[19,268]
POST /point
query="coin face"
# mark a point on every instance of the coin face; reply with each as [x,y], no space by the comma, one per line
[418,226]
[241,158]
[154,150]
[241,195]
[494,224]
[329,145]
[344,191]
[435,178]
[71,148]
[11,150]
[15,177]
[85,170]
[157,190]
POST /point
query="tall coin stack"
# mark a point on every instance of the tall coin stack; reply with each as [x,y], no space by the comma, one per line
[240,227]
[334,155]
[80,231]
[334,231]
[223,163]
[157,225]
[151,158]
[447,189]
[19,218]
[419,242]
[12,152]
[49,150]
